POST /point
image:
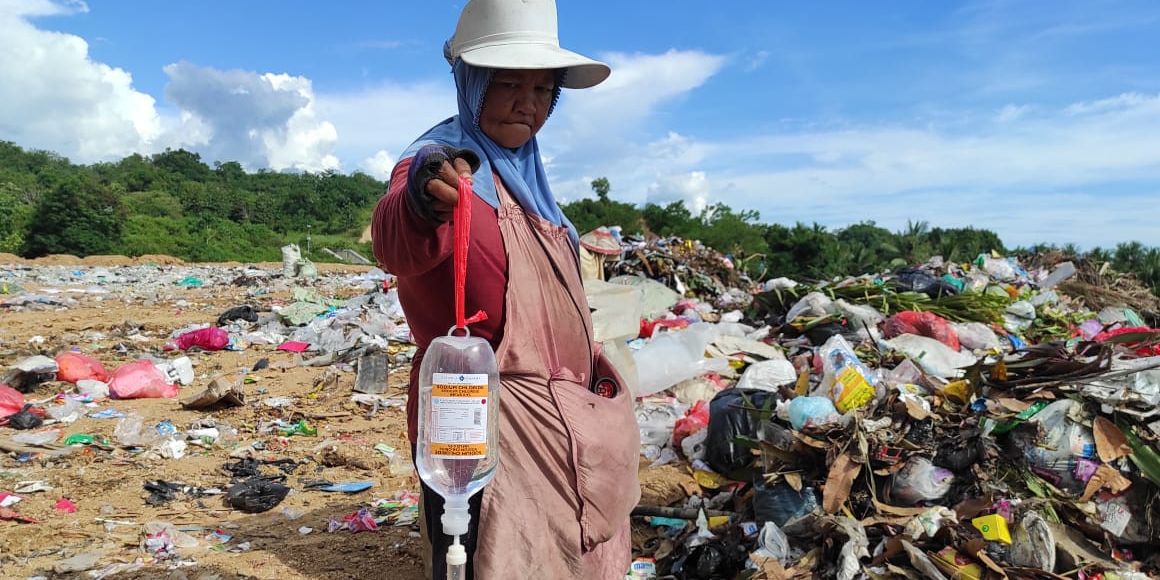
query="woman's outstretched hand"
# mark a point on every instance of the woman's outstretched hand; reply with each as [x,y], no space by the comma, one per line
[444,188]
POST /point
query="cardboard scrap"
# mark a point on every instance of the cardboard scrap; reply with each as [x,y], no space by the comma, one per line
[838,482]
[1106,477]
[221,391]
[1111,443]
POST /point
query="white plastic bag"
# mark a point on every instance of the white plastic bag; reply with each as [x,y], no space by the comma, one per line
[1019,316]
[616,310]
[976,335]
[290,256]
[920,480]
[768,375]
[931,355]
[814,304]
[674,357]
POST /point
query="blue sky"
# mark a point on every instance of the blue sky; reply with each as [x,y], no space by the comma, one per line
[1040,120]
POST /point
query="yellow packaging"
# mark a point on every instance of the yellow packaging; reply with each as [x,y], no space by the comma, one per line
[854,391]
[964,568]
[803,383]
[710,480]
[993,527]
[718,521]
[958,390]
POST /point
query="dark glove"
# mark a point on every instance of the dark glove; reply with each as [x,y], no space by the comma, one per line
[426,166]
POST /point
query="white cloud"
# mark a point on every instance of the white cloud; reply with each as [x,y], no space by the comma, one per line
[638,85]
[599,129]
[1011,112]
[379,165]
[56,97]
[756,60]
[260,120]
[1034,177]
[385,117]
[692,187]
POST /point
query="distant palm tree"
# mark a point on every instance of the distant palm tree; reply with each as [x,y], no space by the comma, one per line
[1098,254]
[1149,270]
[913,244]
[1128,256]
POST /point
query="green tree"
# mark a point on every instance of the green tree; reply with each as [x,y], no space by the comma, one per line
[588,214]
[77,217]
[601,188]
[15,213]
[184,164]
[673,219]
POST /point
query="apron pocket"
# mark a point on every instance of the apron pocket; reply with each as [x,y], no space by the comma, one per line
[605,442]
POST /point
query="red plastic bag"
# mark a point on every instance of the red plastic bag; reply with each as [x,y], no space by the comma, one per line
[140,380]
[11,401]
[1145,341]
[211,338]
[75,367]
[648,329]
[922,324]
[694,420]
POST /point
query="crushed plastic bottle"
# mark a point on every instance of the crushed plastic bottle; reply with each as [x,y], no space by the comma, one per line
[848,382]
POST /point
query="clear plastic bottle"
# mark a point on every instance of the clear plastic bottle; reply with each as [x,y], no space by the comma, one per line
[458,447]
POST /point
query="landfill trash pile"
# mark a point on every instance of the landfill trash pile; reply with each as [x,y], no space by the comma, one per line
[685,266]
[982,420]
[222,418]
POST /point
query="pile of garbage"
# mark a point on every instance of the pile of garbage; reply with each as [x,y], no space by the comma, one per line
[64,398]
[942,421]
[685,266]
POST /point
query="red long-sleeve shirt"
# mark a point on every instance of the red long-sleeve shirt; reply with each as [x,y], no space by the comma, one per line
[419,253]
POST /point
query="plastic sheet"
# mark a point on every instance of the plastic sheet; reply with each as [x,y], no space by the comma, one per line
[675,357]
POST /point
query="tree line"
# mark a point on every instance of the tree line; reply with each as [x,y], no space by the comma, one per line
[174,203]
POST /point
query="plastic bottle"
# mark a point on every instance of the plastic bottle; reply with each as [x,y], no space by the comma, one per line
[458,428]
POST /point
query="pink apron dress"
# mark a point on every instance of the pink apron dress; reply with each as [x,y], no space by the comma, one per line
[559,505]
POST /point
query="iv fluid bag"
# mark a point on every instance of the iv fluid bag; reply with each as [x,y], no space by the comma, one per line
[458,446]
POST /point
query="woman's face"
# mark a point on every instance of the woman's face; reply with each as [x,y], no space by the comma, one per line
[516,105]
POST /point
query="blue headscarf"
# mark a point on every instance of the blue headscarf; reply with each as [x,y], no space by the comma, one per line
[522,169]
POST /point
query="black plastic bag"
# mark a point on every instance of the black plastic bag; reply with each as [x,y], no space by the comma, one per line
[912,280]
[245,312]
[731,417]
[959,454]
[256,495]
[25,419]
[818,335]
[718,559]
[781,504]
[161,492]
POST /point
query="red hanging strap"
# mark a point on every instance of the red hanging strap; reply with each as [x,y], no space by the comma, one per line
[462,223]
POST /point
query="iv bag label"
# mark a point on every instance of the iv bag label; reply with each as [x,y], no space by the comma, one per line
[458,416]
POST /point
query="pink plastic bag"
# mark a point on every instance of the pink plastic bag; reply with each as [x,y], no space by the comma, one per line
[75,367]
[140,380]
[922,324]
[212,338]
[11,401]
[294,346]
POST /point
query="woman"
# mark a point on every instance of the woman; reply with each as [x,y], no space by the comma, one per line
[559,504]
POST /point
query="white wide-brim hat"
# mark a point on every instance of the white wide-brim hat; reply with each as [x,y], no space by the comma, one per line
[520,34]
